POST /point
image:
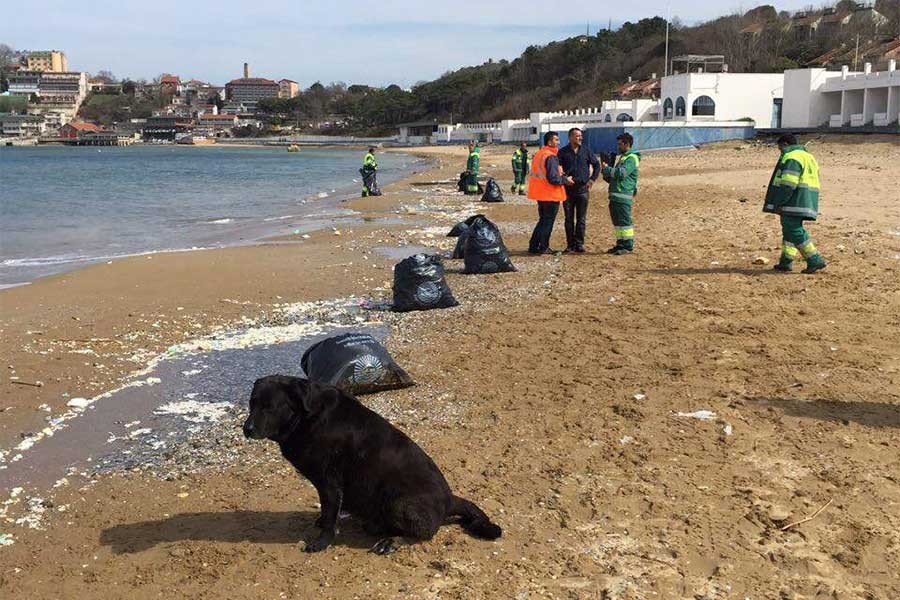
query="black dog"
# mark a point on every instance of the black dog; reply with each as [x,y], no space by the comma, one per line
[358,462]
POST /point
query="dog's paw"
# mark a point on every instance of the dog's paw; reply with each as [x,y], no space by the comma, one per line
[318,544]
[385,546]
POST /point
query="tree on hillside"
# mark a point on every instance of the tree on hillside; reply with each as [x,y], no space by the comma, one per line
[8,55]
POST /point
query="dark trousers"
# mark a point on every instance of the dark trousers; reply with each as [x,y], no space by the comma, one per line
[540,237]
[575,208]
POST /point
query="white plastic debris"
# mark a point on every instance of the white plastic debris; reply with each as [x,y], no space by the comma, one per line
[6,539]
[78,403]
[703,415]
[728,429]
[640,396]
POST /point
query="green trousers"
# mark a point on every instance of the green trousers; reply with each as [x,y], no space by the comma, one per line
[620,213]
[472,183]
[795,240]
[519,181]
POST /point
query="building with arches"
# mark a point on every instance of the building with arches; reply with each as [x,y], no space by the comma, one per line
[723,97]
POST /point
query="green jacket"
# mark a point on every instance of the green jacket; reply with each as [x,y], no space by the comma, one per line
[623,177]
[794,186]
[520,160]
[474,161]
[369,162]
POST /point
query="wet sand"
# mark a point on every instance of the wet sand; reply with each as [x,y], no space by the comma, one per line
[551,397]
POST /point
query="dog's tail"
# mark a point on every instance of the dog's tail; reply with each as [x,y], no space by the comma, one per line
[473,519]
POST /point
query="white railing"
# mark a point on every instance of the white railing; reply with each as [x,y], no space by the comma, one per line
[836,121]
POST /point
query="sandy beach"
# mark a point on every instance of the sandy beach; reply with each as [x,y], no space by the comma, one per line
[562,398]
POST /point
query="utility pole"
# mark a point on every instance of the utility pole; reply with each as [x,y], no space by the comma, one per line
[668,18]
[856,54]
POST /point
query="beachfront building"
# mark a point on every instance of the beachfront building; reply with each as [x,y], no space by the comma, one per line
[212,125]
[21,125]
[76,129]
[288,88]
[818,98]
[699,96]
[47,61]
[165,127]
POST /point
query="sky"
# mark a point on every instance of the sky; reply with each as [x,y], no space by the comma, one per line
[375,43]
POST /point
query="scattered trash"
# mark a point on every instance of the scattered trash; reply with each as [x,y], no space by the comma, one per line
[195,412]
[182,494]
[626,440]
[78,403]
[760,260]
[354,362]
[728,429]
[640,397]
[703,415]
[6,539]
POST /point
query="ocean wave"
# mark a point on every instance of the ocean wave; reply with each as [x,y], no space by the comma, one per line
[63,259]
[220,221]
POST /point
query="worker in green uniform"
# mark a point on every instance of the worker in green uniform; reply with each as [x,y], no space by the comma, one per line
[368,172]
[520,168]
[472,166]
[623,179]
[794,195]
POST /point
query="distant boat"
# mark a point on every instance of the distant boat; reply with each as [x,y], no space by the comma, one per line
[293,148]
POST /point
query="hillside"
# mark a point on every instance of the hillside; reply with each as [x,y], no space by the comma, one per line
[581,71]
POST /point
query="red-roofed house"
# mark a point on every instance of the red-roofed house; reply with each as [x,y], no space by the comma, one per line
[74,130]
[170,84]
[288,88]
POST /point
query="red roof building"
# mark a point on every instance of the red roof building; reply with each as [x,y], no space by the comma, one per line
[74,130]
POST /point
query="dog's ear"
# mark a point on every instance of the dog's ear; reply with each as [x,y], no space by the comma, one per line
[303,396]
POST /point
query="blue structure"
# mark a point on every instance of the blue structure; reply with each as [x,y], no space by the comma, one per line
[603,139]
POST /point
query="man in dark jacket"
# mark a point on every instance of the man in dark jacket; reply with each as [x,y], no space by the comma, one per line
[580,163]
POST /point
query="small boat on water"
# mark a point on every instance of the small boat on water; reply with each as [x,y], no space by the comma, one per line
[293,148]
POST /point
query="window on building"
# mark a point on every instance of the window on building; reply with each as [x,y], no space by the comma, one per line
[704,106]
[668,109]
[607,118]
[623,117]
[680,108]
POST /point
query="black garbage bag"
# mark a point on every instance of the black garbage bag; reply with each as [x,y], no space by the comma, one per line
[354,362]
[370,181]
[485,251]
[492,192]
[463,225]
[460,250]
[461,184]
[419,284]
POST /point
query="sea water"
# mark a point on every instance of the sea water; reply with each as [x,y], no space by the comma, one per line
[66,207]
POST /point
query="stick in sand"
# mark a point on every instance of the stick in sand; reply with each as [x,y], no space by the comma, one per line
[35,384]
[809,518]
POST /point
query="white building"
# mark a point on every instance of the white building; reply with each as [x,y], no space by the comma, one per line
[819,98]
[723,97]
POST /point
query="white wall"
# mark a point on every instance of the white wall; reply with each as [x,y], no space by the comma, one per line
[737,95]
[805,102]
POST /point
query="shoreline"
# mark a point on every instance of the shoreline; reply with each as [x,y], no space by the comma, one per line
[332,200]
[144,278]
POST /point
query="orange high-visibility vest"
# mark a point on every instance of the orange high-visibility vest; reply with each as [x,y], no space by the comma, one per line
[539,188]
